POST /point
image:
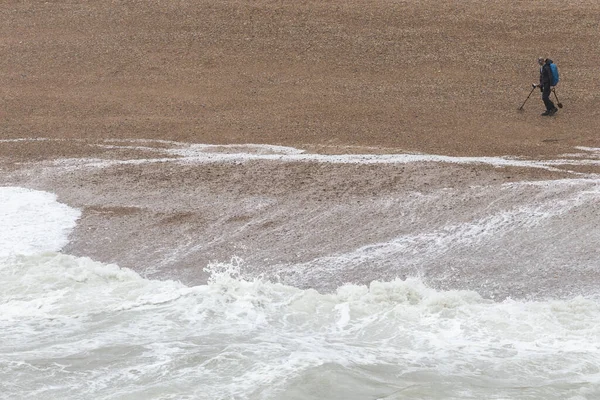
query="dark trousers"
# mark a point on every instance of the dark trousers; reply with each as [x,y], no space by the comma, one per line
[546,98]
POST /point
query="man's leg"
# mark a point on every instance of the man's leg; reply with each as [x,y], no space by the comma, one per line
[546,98]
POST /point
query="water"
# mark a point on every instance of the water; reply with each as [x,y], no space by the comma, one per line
[73,328]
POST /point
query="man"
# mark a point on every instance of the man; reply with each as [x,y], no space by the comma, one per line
[546,85]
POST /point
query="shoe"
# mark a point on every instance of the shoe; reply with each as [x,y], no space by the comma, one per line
[554,111]
[546,113]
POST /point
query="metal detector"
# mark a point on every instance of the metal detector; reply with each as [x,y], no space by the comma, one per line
[558,103]
[532,89]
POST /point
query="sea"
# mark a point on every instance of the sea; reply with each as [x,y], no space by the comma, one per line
[72,327]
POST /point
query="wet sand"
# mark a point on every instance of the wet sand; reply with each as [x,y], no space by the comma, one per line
[170,217]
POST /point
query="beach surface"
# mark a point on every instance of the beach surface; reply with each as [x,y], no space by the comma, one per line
[108,105]
[299,199]
[438,77]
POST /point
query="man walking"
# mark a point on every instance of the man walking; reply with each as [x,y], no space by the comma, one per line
[545,85]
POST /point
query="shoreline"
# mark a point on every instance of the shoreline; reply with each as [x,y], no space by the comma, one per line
[424,78]
[167,214]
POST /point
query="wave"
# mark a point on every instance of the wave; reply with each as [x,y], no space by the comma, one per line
[71,327]
[33,221]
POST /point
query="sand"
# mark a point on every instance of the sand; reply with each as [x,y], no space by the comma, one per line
[440,77]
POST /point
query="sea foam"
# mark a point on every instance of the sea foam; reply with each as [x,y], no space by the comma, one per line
[32,221]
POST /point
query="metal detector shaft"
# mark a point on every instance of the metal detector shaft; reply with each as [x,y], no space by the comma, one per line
[532,89]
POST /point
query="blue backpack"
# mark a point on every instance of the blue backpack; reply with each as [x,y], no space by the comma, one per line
[555,76]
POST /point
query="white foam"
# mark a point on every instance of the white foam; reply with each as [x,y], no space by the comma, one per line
[589,149]
[74,328]
[204,153]
[17,140]
[182,152]
[32,221]
[204,157]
